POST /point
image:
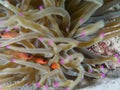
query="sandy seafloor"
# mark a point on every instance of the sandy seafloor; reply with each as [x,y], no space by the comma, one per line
[107,84]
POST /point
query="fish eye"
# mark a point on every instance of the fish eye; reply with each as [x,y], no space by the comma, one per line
[2,33]
[44,60]
[29,55]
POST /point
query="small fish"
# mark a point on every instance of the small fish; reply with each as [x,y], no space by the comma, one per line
[55,66]
[41,60]
[22,55]
[8,35]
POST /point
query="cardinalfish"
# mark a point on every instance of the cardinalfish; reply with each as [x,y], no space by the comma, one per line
[55,66]
[22,55]
[8,35]
[40,61]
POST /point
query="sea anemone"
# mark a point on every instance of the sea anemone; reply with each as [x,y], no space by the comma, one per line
[45,43]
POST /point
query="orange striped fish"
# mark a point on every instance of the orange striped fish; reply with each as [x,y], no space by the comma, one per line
[40,61]
[55,66]
[8,35]
[22,55]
